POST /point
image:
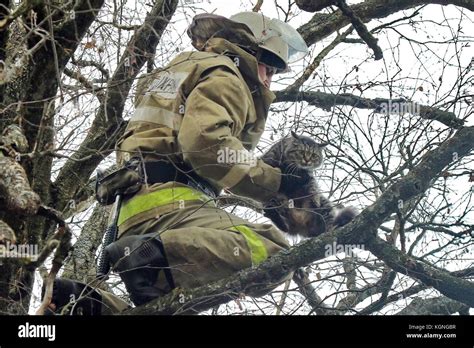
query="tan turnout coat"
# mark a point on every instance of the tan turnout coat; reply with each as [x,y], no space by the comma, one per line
[200,109]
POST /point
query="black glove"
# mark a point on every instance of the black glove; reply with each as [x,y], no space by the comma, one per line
[293,177]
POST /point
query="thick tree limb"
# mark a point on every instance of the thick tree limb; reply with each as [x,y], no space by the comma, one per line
[51,62]
[433,306]
[314,5]
[323,25]
[7,235]
[358,295]
[361,230]
[106,128]
[63,236]
[15,189]
[452,287]
[4,20]
[81,265]
[327,101]
[56,240]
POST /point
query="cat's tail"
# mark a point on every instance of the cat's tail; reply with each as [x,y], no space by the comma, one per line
[345,215]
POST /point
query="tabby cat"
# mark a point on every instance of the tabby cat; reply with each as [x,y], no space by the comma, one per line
[299,208]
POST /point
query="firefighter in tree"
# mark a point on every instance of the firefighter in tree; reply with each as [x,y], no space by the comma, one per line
[204,103]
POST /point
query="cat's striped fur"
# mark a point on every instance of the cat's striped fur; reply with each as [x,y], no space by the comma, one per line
[301,209]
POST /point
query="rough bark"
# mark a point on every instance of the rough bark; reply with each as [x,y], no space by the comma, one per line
[433,306]
[29,103]
[15,190]
[314,5]
[450,286]
[81,264]
[32,104]
[7,235]
[323,25]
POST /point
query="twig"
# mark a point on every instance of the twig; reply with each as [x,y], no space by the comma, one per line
[64,235]
[61,240]
[257,6]
[314,65]
[301,278]
[283,297]
[83,63]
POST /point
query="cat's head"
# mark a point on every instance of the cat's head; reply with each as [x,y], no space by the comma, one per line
[304,151]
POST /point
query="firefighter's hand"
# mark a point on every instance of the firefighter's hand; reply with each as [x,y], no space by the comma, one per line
[292,177]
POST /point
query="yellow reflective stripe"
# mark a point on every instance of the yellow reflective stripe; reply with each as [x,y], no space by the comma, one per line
[258,251]
[142,203]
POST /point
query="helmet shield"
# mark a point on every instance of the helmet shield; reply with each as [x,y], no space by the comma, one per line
[297,47]
[276,37]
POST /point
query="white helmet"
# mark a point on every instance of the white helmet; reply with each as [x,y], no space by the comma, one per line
[279,42]
[273,42]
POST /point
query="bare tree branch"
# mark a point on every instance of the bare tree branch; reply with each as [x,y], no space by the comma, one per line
[361,29]
[309,292]
[15,188]
[433,306]
[257,6]
[327,101]
[452,287]
[314,65]
[108,123]
[361,230]
[323,25]
[314,5]
[81,264]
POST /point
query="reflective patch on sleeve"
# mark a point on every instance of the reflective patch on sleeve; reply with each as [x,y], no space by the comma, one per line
[157,115]
[167,84]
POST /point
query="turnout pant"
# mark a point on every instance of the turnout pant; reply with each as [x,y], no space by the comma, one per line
[202,242]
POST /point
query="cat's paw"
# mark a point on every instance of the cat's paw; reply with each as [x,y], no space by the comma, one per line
[293,179]
[277,201]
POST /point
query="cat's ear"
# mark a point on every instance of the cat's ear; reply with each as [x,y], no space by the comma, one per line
[294,135]
[323,144]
